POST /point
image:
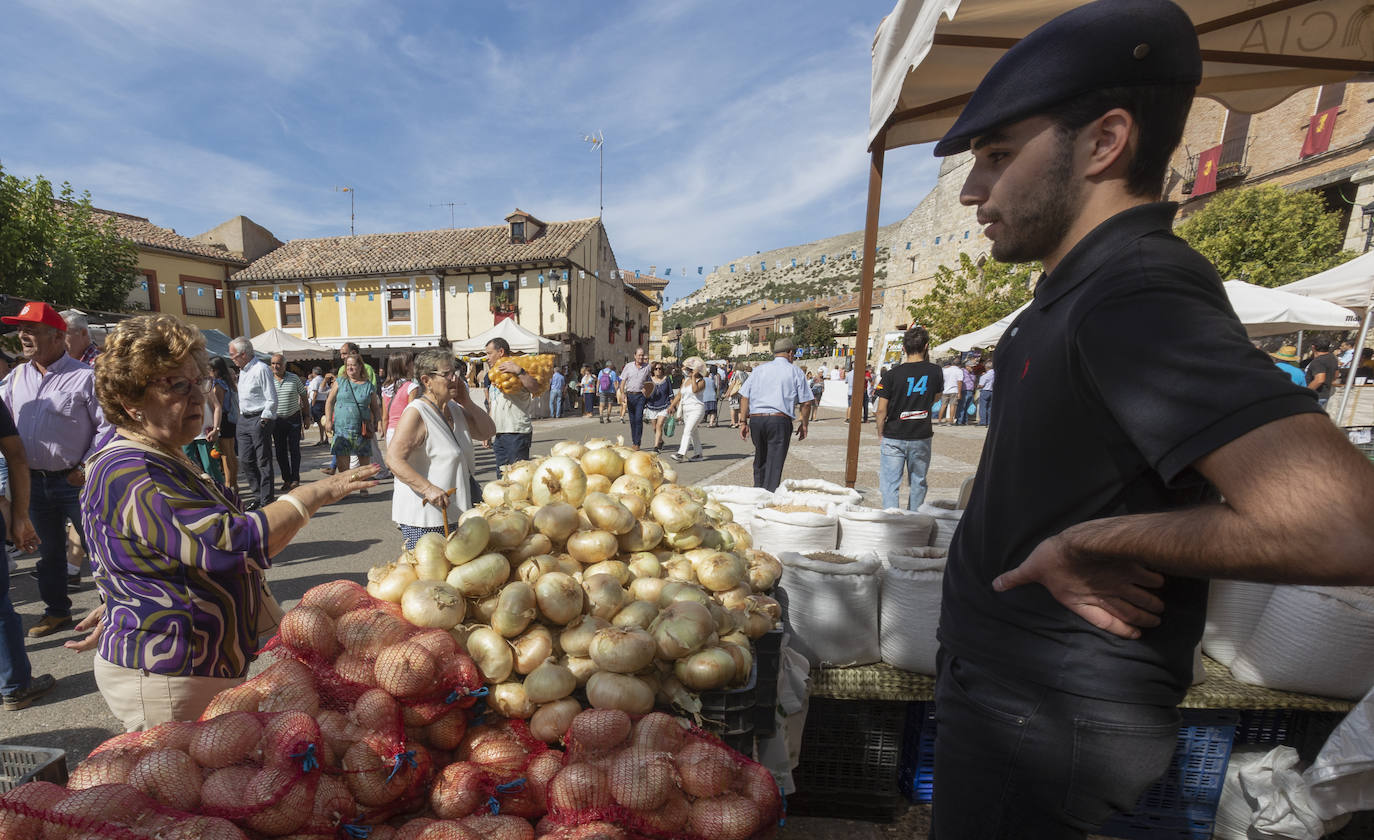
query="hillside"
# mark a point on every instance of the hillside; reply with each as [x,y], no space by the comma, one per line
[771,275]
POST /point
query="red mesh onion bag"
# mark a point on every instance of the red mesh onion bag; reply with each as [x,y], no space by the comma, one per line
[656,777]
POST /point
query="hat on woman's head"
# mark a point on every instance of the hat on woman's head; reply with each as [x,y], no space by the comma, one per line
[1286,353]
[693,363]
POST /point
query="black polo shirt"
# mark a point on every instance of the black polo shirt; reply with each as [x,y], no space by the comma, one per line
[1128,367]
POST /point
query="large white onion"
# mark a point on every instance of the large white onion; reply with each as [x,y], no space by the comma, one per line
[720,571]
[531,546]
[615,568]
[521,471]
[686,539]
[532,648]
[740,534]
[642,564]
[508,528]
[568,449]
[549,682]
[468,540]
[432,603]
[511,700]
[620,691]
[559,597]
[645,465]
[606,512]
[503,492]
[682,628]
[764,570]
[558,480]
[551,722]
[669,473]
[492,654]
[636,614]
[633,485]
[674,510]
[530,570]
[557,521]
[588,547]
[622,650]
[643,536]
[706,670]
[577,636]
[582,667]
[480,577]
[516,607]
[604,461]
[598,484]
[647,589]
[605,595]
[429,557]
[633,502]
[678,567]
[391,581]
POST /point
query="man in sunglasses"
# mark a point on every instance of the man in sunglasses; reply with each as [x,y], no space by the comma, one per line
[52,399]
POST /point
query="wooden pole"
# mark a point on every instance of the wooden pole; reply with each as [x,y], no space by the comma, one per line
[870,258]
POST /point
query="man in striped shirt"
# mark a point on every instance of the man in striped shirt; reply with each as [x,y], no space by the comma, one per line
[293,414]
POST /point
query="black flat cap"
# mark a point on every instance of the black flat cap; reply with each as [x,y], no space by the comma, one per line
[1108,43]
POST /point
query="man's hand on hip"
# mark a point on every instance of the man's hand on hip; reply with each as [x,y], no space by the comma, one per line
[1112,595]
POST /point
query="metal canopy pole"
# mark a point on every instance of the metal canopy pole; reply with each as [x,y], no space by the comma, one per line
[875,193]
[1355,363]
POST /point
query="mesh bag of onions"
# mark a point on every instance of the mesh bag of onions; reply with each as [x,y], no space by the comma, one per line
[239,775]
[656,777]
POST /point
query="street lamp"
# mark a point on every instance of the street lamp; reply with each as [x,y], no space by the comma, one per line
[351,192]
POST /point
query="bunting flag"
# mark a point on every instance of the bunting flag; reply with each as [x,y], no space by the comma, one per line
[276,296]
[1319,131]
[541,279]
[524,282]
[162,288]
[822,259]
[636,274]
[667,272]
[352,297]
[238,294]
[219,294]
[469,288]
[794,262]
[699,268]
[405,294]
[145,285]
[908,246]
[732,268]
[505,284]
[763,265]
[370,296]
[853,255]
[1206,180]
[200,292]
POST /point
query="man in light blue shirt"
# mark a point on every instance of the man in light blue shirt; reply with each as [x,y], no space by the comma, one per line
[257,413]
[773,395]
[556,385]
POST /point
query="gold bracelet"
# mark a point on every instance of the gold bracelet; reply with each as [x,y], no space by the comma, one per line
[297,504]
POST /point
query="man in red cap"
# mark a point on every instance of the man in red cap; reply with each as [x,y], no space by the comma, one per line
[52,398]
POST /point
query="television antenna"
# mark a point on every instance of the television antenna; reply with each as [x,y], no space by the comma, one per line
[450,205]
[351,215]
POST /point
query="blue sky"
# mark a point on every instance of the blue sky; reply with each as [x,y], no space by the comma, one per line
[730,127]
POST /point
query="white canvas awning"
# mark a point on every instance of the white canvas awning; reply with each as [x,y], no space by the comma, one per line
[1350,284]
[1275,312]
[293,348]
[520,339]
[986,337]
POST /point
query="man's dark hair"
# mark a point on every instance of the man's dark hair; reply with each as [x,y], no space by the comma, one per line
[1367,353]
[1160,112]
[501,344]
[1321,345]
[348,348]
[916,340]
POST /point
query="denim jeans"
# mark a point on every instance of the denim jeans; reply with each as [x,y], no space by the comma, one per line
[556,403]
[984,407]
[898,458]
[509,447]
[52,502]
[15,671]
[634,403]
[1017,759]
[961,418]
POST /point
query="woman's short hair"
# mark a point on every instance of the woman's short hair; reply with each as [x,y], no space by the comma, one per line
[137,351]
[428,362]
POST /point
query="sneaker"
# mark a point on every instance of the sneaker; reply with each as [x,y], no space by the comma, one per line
[697,458]
[658,449]
[676,457]
[46,626]
[37,687]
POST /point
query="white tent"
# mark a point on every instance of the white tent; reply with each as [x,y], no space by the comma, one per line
[1350,284]
[1262,311]
[520,339]
[293,348]
[985,337]
[1275,312]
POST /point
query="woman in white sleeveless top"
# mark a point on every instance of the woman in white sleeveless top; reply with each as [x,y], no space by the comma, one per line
[431,452]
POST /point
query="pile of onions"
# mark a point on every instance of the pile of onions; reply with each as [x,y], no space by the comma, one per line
[431,603]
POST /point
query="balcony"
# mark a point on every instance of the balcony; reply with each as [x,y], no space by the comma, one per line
[1232,166]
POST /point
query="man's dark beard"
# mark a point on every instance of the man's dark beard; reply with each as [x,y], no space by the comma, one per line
[1035,226]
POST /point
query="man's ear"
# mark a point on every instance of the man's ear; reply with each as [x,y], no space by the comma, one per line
[1111,138]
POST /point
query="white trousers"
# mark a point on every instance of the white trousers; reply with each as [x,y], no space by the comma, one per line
[691,421]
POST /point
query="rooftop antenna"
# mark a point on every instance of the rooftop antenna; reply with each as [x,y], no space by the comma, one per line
[598,142]
[450,205]
[351,216]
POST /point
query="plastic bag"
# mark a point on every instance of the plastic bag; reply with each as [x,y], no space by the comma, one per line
[1342,777]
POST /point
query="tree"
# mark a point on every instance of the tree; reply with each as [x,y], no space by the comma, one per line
[849,325]
[1266,235]
[689,344]
[57,251]
[812,329]
[665,352]
[720,345]
[972,296]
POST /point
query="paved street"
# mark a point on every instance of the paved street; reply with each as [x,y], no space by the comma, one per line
[344,540]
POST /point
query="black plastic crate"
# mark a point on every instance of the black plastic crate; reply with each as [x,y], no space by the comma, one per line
[849,757]
[19,765]
[1265,726]
[731,711]
[768,659]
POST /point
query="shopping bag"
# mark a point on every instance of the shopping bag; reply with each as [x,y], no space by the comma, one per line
[670,427]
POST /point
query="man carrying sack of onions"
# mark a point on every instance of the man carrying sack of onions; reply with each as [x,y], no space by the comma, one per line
[510,412]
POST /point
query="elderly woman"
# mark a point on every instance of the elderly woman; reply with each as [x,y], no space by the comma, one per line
[179,563]
[688,401]
[431,452]
[352,413]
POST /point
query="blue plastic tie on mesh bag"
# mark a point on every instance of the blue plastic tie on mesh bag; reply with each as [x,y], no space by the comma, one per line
[457,694]
[307,757]
[407,757]
[359,832]
[493,804]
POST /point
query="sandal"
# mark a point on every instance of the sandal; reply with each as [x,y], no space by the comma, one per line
[328,470]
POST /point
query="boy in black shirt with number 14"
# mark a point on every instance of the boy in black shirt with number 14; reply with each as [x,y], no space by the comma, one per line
[906,393]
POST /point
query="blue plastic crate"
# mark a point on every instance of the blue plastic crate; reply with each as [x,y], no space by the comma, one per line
[916,773]
[1183,802]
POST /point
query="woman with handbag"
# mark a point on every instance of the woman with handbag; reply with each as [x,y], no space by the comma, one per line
[688,402]
[180,565]
[658,395]
[351,414]
[431,451]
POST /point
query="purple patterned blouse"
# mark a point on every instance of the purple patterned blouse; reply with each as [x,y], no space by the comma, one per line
[178,564]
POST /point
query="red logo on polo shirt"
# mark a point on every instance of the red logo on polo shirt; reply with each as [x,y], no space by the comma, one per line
[1025,370]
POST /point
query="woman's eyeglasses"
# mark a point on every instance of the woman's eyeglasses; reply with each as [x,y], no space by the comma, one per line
[180,386]
[444,374]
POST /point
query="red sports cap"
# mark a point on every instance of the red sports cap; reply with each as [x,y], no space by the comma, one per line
[37,312]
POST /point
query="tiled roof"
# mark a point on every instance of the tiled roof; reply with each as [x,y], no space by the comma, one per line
[140,231]
[394,253]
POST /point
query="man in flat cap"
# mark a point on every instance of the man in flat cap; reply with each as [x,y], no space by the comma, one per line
[773,396]
[1076,587]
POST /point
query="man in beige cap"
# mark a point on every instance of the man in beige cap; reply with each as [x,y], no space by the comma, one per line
[773,396]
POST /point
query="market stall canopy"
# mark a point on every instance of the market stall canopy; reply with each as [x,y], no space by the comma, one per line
[986,337]
[1350,284]
[1276,312]
[293,348]
[520,339]
[929,56]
